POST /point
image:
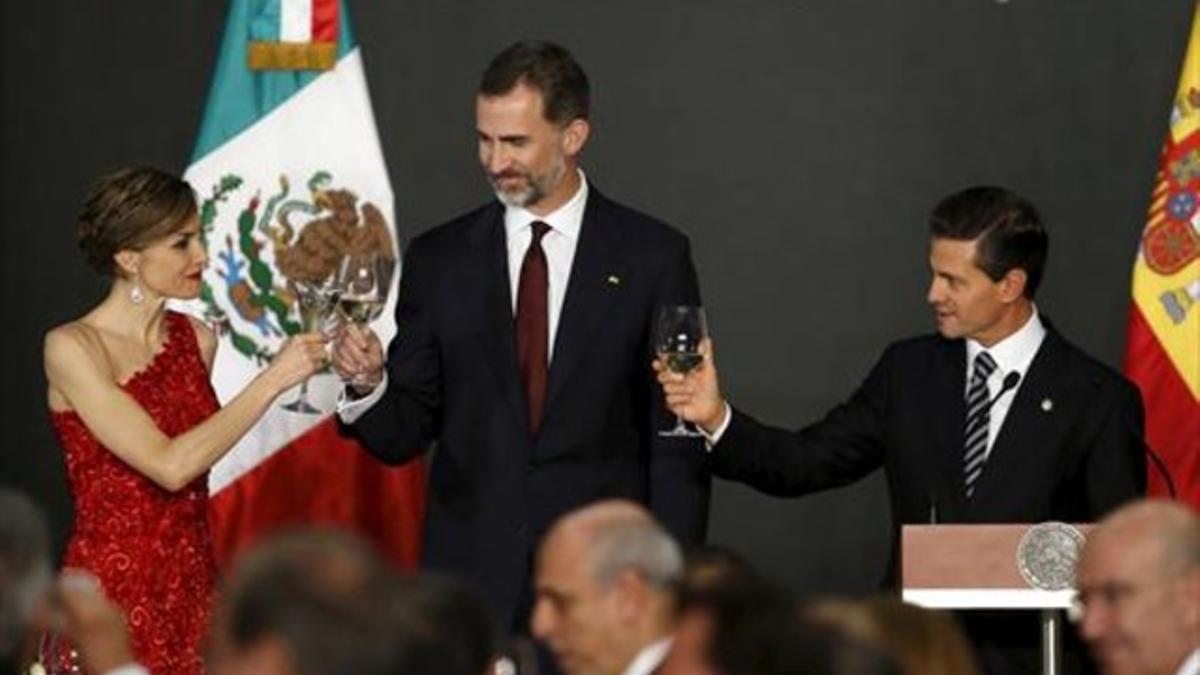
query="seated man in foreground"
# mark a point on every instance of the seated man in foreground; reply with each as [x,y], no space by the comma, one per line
[604,584]
[1139,590]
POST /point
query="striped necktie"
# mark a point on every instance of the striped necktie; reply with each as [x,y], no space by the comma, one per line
[975,433]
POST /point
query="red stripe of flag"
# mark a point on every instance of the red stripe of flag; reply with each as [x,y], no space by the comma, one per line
[323,478]
[1172,413]
[325,20]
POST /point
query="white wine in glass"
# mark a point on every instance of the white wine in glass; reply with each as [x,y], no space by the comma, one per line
[677,336]
[315,302]
[364,280]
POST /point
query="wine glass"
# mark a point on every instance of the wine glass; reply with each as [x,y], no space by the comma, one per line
[364,280]
[677,337]
[56,656]
[316,301]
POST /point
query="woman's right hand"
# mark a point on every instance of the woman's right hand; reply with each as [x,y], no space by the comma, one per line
[300,357]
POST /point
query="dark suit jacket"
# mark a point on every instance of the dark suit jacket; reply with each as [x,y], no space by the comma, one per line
[1070,447]
[453,378]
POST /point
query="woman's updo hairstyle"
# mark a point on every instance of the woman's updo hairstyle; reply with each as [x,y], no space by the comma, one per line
[128,209]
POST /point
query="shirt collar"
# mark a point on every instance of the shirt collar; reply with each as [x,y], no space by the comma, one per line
[1016,351]
[1190,665]
[565,220]
[649,658]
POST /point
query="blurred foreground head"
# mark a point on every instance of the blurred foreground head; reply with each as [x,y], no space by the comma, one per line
[922,641]
[734,622]
[605,585]
[323,603]
[1138,584]
[25,572]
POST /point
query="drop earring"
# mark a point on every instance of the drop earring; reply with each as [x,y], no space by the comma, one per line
[136,296]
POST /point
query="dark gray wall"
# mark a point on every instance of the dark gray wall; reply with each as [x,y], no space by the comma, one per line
[799,143]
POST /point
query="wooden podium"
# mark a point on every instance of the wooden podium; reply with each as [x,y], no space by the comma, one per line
[975,567]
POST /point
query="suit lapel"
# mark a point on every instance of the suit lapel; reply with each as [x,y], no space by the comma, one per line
[1025,421]
[950,414]
[498,337]
[589,292]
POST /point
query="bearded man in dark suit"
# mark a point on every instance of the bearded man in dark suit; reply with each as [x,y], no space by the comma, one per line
[524,343]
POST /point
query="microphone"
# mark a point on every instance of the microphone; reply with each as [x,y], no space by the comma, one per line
[1010,382]
[1161,467]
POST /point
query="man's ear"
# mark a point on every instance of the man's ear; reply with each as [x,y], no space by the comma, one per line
[575,136]
[1190,587]
[631,592]
[1012,284]
[127,261]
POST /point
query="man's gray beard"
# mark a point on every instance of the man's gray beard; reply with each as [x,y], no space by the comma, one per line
[539,187]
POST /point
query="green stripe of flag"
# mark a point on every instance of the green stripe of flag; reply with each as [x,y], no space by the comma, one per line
[238,96]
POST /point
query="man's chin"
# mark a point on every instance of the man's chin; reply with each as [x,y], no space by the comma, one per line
[519,199]
[948,329]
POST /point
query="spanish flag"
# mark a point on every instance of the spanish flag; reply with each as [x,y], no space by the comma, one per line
[1163,351]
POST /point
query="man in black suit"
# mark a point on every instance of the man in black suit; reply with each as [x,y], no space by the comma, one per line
[995,419]
[523,346]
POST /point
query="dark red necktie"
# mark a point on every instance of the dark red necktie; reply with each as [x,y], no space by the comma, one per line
[533,325]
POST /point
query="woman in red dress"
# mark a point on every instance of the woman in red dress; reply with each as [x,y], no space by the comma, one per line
[130,399]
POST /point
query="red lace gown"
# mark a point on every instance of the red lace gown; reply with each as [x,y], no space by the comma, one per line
[150,548]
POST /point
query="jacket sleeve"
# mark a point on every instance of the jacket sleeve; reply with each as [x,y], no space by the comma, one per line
[1114,461]
[401,425]
[846,445]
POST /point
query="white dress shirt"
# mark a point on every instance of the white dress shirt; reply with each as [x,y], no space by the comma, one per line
[559,245]
[1190,665]
[1013,354]
[649,658]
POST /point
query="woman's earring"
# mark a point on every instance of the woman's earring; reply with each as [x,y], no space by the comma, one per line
[136,296]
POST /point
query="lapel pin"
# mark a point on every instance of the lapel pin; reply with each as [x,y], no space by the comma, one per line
[1047,405]
[614,280]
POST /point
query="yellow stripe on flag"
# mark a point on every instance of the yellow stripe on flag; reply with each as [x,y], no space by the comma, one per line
[1186,119]
[1153,294]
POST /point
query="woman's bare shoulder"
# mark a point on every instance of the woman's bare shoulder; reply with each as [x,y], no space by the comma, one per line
[206,339]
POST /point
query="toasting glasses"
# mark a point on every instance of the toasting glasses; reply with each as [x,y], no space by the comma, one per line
[364,280]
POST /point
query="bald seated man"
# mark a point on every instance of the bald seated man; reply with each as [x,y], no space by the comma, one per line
[1138,586]
[604,584]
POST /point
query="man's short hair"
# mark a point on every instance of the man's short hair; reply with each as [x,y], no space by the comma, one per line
[758,628]
[546,67]
[637,544]
[440,627]
[322,594]
[339,608]
[1006,226]
[24,566]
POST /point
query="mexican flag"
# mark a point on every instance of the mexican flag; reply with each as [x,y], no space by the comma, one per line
[1163,352]
[286,163]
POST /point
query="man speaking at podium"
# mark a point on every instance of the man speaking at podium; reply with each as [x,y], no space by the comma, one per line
[994,419]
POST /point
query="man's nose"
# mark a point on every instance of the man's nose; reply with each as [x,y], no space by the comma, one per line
[934,294]
[496,159]
[1092,621]
[541,622]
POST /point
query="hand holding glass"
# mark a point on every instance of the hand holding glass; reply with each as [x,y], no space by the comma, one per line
[364,280]
[678,333]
